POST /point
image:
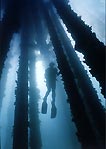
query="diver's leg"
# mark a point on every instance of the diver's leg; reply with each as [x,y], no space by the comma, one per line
[53,92]
[47,93]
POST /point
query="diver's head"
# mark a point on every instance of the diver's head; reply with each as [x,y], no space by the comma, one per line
[52,64]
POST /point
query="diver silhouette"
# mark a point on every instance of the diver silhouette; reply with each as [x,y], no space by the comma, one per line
[51,74]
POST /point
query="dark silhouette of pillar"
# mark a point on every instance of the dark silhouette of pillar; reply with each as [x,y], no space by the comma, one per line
[86,41]
[34,123]
[20,131]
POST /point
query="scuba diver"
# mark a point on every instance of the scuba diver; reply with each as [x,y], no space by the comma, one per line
[51,74]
